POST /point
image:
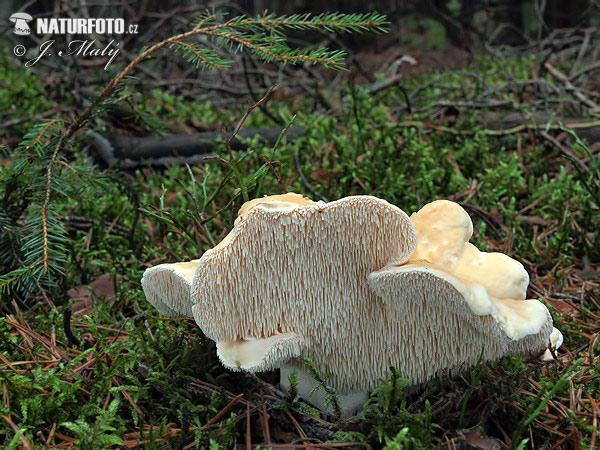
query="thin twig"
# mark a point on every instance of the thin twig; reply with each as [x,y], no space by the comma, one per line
[565,80]
[564,151]
[249,111]
[222,412]
[67,327]
[312,190]
[22,438]
[503,132]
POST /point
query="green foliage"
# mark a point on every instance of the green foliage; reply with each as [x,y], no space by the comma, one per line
[44,181]
[590,181]
[476,374]
[263,36]
[150,368]
[101,434]
[291,400]
[535,408]
[176,108]
[32,192]
[169,359]
[22,96]
[402,441]
[202,58]
[392,421]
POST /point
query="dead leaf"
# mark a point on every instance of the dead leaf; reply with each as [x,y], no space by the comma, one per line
[474,440]
[101,287]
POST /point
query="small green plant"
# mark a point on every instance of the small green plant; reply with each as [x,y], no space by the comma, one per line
[331,398]
[476,374]
[535,408]
[99,435]
[402,441]
[392,421]
[291,400]
[27,100]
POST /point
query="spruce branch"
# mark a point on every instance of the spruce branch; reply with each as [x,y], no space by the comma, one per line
[44,210]
[333,22]
[33,239]
[272,49]
[39,137]
[203,20]
[13,276]
[201,57]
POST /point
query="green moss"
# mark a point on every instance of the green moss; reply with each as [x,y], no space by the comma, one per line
[150,364]
[22,95]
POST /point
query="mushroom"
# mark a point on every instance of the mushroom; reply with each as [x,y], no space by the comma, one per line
[291,279]
[20,20]
[477,299]
[355,286]
[167,287]
[556,340]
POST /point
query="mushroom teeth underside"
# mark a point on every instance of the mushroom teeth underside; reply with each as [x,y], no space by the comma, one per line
[156,300]
[259,354]
[168,290]
[503,319]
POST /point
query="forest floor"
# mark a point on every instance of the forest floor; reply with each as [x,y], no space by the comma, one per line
[512,135]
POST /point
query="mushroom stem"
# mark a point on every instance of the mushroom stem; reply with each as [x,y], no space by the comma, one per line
[349,403]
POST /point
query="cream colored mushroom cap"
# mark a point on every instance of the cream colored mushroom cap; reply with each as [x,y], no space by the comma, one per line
[471,299]
[443,232]
[167,287]
[450,322]
[512,319]
[281,202]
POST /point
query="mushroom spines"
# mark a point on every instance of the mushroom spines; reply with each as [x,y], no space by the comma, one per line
[464,289]
[167,287]
[512,319]
[463,265]
[441,332]
[304,270]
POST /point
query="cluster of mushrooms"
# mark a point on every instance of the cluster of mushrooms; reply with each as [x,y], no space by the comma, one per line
[356,286]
